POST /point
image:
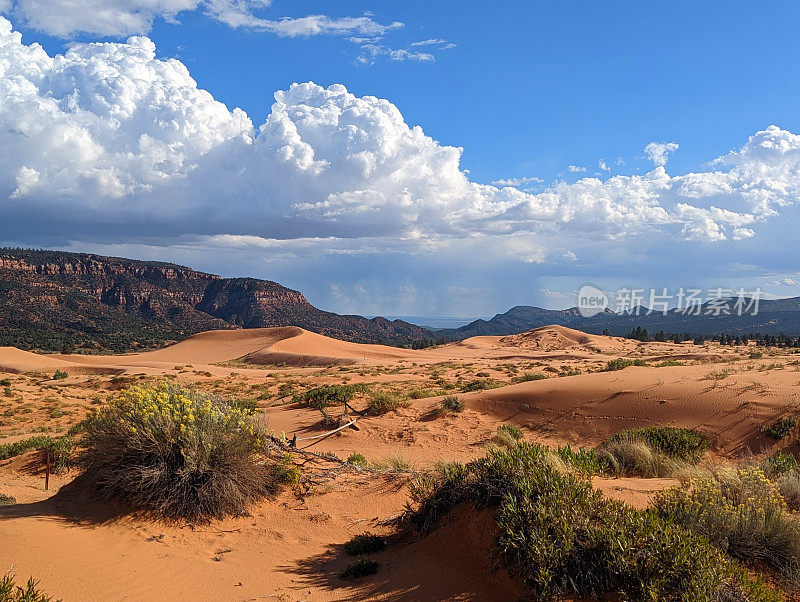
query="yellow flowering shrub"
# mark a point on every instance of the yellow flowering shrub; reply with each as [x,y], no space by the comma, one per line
[178,453]
[741,511]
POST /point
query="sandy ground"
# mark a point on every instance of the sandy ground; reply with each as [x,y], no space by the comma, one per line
[290,547]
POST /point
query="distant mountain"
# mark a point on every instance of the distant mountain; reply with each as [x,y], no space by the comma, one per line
[50,300]
[774,316]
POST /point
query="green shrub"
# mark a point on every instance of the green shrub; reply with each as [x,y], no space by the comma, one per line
[60,448]
[61,453]
[328,395]
[11,592]
[9,450]
[582,461]
[382,402]
[449,405]
[420,393]
[60,375]
[740,511]
[480,384]
[5,382]
[8,392]
[621,363]
[357,459]
[529,376]
[7,500]
[563,538]
[248,406]
[668,362]
[780,463]
[178,454]
[362,567]
[678,443]
[364,544]
[781,428]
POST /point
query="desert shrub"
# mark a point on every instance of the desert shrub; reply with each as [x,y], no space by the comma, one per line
[781,428]
[327,395]
[9,450]
[61,449]
[357,459]
[362,567]
[449,405]
[5,382]
[678,443]
[480,384]
[741,512]
[529,376]
[583,461]
[11,592]
[7,500]
[507,435]
[178,454]
[382,402]
[248,406]
[562,537]
[61,452]
[364,544]
[789,486]
[60,375]
[780,463]
[668,362]
[8,392]
[621,363]
[420,393]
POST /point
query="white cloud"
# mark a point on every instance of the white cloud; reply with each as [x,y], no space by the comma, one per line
[429,42]
[440,42]
[119,18]
[108,139]
[375,49]
[603,166]
[659,152]
[517,182]
[576,169]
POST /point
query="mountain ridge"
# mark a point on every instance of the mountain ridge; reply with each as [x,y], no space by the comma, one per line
[54,300]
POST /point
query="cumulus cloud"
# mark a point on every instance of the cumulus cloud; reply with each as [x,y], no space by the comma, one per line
[107,144]
[576,169]
[659,152]
[118,18]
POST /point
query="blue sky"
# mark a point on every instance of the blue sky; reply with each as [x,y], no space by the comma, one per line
[551,98]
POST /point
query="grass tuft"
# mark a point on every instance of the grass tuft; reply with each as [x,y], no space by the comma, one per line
[449,405]
[11,592]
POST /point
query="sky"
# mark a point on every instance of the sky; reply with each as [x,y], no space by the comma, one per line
[428,159]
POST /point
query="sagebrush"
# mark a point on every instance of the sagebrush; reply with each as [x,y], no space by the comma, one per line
[178,453]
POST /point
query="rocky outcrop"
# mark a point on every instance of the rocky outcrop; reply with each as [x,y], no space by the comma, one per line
[52,299]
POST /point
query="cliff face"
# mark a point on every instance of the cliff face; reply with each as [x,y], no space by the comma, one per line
[52,299]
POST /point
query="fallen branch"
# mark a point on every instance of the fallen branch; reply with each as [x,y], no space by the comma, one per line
[318,438]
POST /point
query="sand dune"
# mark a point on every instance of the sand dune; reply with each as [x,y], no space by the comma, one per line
[555,338]
[290,548]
